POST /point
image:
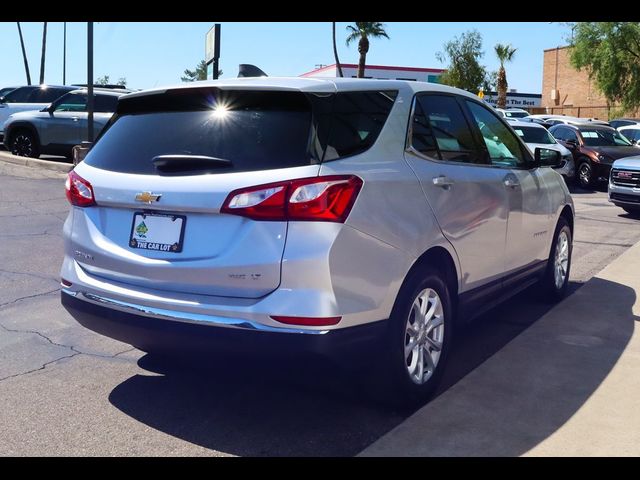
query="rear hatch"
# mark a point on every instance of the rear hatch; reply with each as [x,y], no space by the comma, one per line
[160,174]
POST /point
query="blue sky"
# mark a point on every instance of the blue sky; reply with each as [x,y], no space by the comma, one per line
[156,54]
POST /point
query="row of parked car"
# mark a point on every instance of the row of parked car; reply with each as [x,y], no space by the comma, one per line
[47,119]
[593,151]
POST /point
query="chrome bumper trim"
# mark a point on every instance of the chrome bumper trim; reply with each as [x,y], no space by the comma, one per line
[184,317]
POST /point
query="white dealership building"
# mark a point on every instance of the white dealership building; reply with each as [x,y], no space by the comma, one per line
[420,74]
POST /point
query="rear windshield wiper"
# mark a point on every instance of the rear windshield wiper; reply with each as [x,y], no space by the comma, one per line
[185,163]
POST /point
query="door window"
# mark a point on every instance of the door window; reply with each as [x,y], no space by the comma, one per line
[72,102]
[502,144]
[442,130]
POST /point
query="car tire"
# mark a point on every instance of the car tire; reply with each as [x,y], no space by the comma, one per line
[555,282]
[24,143]
[584,174]
[411,375]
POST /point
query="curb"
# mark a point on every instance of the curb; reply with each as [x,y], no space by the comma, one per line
[35,163]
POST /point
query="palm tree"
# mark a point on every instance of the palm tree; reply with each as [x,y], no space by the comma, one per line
[361,32]
[24,55]
[335,51]
[505,54]
[44,49]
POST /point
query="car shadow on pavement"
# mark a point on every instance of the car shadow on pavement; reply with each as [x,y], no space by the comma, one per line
[308,407]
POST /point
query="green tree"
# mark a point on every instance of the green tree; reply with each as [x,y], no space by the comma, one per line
[610,53]
[505,54]
[199,73]
[104,80]
[361,32]
[463,54]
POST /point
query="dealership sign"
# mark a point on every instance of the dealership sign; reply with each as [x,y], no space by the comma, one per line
[519,100]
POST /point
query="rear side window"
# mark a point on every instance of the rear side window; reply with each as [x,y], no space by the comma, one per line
[559,133]
[105,103]
[449,131]
[252,130]
[355,121]
[19,95]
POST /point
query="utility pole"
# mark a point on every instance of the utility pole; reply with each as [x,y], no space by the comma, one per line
[90,80]
[64,56]
[44,52]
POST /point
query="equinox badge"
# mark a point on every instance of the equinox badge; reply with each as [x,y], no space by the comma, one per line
[148,197]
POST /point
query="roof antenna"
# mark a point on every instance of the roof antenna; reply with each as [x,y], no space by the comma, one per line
[248,70]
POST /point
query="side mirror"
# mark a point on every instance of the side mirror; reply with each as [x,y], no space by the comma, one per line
[571,144]
[79,152]
[546,157]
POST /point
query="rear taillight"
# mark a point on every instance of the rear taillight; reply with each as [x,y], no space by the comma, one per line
[325,199]
[79,191]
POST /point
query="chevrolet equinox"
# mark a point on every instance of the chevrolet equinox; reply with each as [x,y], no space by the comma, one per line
[310,215]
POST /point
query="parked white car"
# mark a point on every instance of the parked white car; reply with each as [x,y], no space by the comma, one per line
[566,119]
[535,136]
[31,97]
[512,112]
[631,133]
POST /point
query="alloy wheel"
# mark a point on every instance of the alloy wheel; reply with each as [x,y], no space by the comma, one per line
[584,174]
[561,262]
[22,146]
[424,336]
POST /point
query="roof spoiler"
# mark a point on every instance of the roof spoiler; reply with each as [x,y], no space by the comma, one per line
[248,70]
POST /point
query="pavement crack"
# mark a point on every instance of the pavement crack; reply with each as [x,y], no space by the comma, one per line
[41,367]
[29,296]
[35,275]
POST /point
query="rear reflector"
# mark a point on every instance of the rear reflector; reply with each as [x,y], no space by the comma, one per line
[79,191]
[65,283]
[324,199]
[308,321]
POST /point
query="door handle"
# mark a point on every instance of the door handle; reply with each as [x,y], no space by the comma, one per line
[443,182]
[75,119]
[511,183]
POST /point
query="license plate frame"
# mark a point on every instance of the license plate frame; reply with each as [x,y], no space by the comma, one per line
[137,238]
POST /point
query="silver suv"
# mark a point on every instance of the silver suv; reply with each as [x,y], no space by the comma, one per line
[310,215]
[58,127]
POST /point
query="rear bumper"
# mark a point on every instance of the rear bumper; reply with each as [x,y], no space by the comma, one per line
[180,336]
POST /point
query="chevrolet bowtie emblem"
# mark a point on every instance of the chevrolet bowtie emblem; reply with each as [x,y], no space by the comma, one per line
[148,197]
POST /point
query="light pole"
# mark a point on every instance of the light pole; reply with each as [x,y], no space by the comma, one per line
[64,56]
[90,80]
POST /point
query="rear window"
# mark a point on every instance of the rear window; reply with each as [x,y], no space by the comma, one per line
[253,130]
[516,114]
[534,135]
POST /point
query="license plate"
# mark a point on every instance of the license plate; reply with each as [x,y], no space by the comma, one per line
[161,232]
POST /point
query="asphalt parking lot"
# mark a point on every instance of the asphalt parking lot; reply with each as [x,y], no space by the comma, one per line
[68,391]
